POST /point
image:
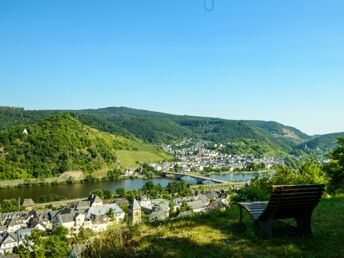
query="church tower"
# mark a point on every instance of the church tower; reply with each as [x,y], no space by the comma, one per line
[134,213]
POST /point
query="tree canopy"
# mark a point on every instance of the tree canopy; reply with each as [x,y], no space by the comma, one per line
[335,168]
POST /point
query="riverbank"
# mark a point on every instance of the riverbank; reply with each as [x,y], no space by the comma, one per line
[32,182]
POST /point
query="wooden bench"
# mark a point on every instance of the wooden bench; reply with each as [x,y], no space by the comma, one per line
[286,201]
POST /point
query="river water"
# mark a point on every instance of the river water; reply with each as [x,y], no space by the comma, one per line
[80,190]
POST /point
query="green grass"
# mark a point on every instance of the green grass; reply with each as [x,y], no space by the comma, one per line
[132,158]
[218,234]
[145,153]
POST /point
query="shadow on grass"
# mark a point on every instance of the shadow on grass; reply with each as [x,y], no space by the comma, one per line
[216,234]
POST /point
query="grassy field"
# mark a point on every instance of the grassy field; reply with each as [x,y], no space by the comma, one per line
[218,234]
[132,158]
[144,153]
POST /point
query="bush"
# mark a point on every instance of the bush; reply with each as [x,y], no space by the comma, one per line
[120,192]
[259,189]
[9,205]
[51,198]
[102,193]
[335,168]
[308,173]
[114,174]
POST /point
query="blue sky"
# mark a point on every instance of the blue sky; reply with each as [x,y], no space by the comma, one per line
[247,59]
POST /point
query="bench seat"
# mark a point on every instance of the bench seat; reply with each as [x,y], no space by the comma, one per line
[286,201]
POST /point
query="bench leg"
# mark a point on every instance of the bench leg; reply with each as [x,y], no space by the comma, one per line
[304,224]
[266,227]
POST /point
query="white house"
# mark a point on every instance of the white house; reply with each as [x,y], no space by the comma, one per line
[15,224]
[22,234]
[197,206]
[145,203]
[128,172]
[65,220]
[95,200]
[103,210]
[8,242]
[79,220]
[100,223]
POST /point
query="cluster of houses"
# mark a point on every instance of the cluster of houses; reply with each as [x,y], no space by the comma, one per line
[163,209]
[91,213]
[203,154]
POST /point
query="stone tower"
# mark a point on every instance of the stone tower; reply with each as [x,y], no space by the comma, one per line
[134,213]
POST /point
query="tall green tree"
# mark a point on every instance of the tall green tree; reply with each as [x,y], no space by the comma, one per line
[335,168]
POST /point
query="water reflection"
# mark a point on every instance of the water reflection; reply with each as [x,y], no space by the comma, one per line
[82,190]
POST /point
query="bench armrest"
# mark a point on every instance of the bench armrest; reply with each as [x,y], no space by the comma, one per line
[255,209]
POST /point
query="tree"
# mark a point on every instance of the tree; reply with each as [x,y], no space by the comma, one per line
[114,174]
[172,206]
[185,207]
[9,205]
[44,245]
[152,190]
[102,193]
[308,173]
[120,192]
[107,194]
[178,188]
[148,187]
[335,168]
[99,193]
[111,214]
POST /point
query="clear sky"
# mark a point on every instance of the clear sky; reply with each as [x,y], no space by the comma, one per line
[248,59]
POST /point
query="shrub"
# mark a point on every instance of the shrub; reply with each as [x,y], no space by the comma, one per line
[335,168]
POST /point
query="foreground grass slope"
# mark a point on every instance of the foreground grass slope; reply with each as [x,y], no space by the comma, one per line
[218,234]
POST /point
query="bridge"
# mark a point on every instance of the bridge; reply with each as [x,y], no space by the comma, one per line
[199,178]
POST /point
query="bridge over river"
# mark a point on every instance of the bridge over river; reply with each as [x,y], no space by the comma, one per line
[200,179]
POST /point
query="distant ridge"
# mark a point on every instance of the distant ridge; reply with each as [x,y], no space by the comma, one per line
[321,143]
[248,136]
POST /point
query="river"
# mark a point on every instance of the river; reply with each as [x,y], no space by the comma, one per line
[80,190]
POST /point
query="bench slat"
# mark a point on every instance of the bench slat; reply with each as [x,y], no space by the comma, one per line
[298,186]
[286,201]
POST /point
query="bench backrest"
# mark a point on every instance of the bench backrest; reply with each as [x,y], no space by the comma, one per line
[292,201]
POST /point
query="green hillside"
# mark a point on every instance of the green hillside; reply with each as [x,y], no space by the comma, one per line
[322,143]
[268,137]
[61,143]
[256,137]
[281,131]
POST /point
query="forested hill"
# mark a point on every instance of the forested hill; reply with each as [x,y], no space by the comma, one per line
[321,143]
[57,144]
[257,137]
